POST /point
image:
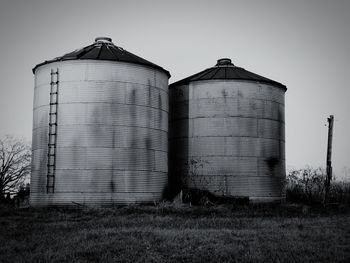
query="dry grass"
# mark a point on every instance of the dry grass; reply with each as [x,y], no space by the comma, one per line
[167,234]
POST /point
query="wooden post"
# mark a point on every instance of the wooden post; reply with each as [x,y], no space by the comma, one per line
[329,158]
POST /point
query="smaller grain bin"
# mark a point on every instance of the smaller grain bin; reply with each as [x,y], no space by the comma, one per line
[227,133]
[100,128]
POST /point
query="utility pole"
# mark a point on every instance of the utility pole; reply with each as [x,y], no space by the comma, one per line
[329,158]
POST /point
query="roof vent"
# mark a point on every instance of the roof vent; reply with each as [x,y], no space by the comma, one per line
[224,61]
[103,39]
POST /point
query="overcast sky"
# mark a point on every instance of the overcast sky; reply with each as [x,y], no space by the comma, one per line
[302,44]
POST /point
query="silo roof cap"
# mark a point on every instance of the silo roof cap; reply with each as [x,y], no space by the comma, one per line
[103,49]
[225,69]
[224,62]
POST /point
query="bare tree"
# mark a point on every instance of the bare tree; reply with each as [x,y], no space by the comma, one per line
[15,161]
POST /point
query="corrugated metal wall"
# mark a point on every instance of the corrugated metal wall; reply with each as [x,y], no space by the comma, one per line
[112,141]
[228,137]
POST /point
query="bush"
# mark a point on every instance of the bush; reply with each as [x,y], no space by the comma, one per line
[307,186]
[340,193]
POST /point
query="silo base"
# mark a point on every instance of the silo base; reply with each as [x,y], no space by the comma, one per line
[92,199]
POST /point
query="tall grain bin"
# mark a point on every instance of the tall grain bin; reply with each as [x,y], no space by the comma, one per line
[100,128]
[227,133]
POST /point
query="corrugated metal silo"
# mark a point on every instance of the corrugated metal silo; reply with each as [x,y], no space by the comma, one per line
[227,133]
[100,128]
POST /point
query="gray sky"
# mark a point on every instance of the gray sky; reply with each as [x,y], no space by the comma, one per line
[303,44]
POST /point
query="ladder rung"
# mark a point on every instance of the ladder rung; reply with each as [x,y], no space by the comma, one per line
[51,155]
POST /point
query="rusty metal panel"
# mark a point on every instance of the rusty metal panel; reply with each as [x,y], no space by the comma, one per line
[254,187]
[210,146]
[111,136]
[41,93]
[97,71]
[110,114]
[236,89]
[272,166]
[271,129]
[227,136]
[226,165]
[241,146]
[161,161]
[39,138]
[35,181]
[109,181]
[270,148]
[146,95]
[231,126]
[108,92]
[41,117]
[39,159]
[258,186]
[92,199]
[92,92]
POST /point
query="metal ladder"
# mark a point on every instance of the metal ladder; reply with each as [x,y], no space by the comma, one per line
[51,154]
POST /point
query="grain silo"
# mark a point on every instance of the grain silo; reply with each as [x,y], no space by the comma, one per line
[227,133]
[100,128]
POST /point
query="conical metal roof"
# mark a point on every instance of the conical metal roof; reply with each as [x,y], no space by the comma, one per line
[103,49]
[225,69]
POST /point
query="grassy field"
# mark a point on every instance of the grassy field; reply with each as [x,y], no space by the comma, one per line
[182,234]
